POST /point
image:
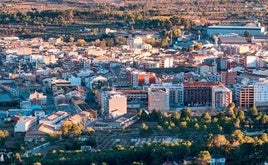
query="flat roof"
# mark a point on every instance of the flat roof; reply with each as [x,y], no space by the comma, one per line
[26,119]
[56,115]
[234,27]
[200,84]
[127,91]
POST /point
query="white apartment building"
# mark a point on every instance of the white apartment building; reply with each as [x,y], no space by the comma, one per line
[25,123]
[261,93]
[221,97]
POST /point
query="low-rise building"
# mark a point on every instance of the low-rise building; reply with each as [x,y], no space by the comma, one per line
[80,118]
[38,98]
[25,123]
[54,118]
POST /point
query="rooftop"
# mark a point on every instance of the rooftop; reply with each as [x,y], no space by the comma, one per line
[56,115]
[26,119]
[200,84]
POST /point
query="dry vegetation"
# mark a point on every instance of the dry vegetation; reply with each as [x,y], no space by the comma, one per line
[201,10]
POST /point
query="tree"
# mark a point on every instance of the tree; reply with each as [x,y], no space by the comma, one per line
[264,119]
[198,46]
[203,158]
[165,42]
[53,137]
[177,32]
[237,136]
[66,127]
[80,42]
[3,135]
[237,123]
[241,115]
[68,14]
[246,33]
[206,117]
[231,106]
[144,127]
[186,113]
[71,39]
[196,126]
[145,130]
[175,117]
[77,129]
[18,159]
[91,141]
[216,141]
[183,124]
[264,137]
[254,111]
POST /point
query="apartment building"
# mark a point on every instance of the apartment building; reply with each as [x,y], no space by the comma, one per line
[158,100]
[174,92]
[221,97]
[25,123]
[228,78]
[113,103]
[142,78]
[261,93]
[246,96]
[198,93]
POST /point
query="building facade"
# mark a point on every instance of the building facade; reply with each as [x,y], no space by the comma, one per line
[174,92]
[198,93]
[54,118]
[114,103]
[228,78]
[258,30]
[25,123]
[261,93]
[246,96]
[142,78]
[158,100]
[221,97]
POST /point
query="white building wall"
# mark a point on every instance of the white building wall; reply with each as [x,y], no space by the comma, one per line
[54,118]
[221,97]
[117,105]
[251,61]
[25,123]
[157,100]
[261,93]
